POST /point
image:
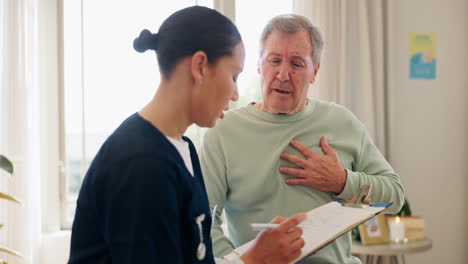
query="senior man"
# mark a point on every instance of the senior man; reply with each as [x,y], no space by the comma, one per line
[288,153]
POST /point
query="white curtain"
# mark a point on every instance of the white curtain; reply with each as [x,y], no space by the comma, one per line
[19,130]
[352,71]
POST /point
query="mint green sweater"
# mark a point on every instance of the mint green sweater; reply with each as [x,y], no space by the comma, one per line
[240,161]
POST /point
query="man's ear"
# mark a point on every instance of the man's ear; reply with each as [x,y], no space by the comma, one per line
[312,80]
[198,66]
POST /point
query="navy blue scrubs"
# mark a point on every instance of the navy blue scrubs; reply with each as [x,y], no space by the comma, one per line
[138,202]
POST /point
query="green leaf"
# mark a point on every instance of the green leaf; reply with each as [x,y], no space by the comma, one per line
[6,164]
[355,234]
[9,197]
[405,210]
[10,251]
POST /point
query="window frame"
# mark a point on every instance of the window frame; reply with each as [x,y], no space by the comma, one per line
[63,182]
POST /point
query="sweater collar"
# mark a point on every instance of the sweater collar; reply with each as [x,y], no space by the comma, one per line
[282,118]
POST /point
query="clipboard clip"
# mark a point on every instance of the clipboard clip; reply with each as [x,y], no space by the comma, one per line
[361,200]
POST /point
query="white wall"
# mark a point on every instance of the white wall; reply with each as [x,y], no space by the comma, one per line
[428,123]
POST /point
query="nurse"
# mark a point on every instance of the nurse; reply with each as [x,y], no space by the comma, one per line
[143,199]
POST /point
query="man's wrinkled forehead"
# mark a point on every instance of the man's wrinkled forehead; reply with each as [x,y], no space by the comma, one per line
[280,44]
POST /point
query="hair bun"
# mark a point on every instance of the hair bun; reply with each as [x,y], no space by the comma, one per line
[146,41]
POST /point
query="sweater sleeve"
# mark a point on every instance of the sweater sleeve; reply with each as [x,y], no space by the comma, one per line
[143,214]
[372,168]
[213,165]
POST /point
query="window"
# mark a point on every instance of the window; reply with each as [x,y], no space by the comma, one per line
[105,80]
[262,11]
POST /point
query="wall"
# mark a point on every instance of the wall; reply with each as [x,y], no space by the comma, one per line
[428,124]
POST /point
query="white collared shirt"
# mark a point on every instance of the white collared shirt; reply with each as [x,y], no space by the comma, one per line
[184,151]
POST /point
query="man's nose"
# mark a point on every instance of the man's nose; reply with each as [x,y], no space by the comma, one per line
[283,73]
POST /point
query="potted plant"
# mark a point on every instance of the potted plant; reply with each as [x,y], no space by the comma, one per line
[7,166]
[405,210]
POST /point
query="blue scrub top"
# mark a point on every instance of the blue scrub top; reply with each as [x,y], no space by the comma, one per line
[139,203]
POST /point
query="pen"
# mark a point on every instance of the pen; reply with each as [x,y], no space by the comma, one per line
[262,227]
[213,212]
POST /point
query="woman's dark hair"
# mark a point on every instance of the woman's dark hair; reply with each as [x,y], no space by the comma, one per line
[187,31]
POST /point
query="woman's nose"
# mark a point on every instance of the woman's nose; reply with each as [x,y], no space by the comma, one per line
[235,95]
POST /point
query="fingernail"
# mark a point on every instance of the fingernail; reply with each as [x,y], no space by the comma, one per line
[302,216]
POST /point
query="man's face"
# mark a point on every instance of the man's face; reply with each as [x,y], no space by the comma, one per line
[286,71]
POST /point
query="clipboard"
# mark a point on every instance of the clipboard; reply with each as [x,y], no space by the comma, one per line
[324,224]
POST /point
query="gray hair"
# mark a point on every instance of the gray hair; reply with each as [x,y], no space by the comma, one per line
[291,24]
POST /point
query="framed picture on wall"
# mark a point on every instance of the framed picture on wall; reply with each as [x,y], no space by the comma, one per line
[374,231]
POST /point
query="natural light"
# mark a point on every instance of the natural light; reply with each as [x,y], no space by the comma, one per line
[105,80]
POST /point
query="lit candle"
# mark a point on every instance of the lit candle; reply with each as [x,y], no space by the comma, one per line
[397,231]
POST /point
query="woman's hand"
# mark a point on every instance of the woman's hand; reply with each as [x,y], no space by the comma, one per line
[278,245]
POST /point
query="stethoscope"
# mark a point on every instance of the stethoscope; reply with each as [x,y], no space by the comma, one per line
[201,248]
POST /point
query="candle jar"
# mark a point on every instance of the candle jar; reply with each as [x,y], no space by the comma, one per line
[397,231]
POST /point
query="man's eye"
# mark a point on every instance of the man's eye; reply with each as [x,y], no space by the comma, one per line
[295,64]
[275,61]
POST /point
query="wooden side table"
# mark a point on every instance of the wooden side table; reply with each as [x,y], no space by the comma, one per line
[374,253]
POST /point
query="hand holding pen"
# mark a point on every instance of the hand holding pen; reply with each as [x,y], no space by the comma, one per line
[278,244]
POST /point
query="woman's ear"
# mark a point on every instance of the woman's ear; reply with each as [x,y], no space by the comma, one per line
[198,66]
